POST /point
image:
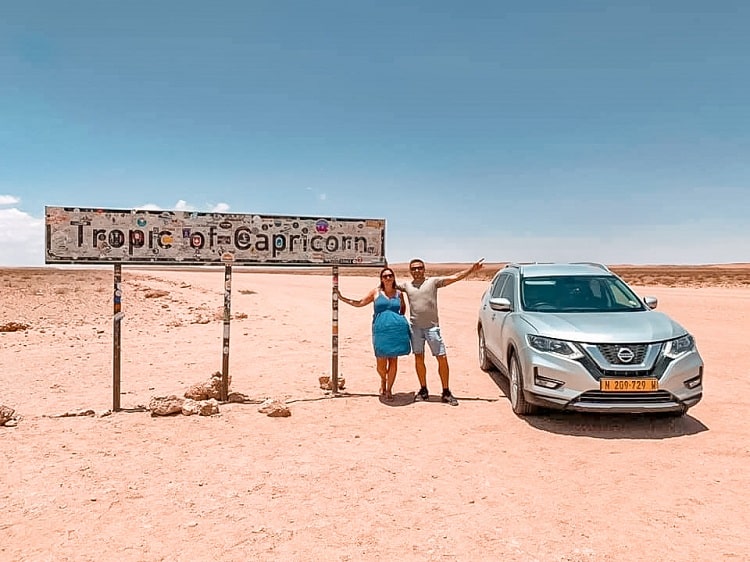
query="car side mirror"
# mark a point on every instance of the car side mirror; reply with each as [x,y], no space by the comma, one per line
[500,304]
[651,302]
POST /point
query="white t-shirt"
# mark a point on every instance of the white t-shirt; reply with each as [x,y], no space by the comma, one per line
[423,305]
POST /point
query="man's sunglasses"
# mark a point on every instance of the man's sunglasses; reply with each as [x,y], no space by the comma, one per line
[417,268]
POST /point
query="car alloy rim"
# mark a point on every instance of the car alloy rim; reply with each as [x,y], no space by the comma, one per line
[481,346]
[513,382]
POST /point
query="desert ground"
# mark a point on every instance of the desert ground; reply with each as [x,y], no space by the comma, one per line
[346,477]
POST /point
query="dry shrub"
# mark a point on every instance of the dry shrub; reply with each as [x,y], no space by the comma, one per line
[155,293]
[14,327]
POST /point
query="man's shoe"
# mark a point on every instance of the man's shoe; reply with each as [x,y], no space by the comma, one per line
[422,396]
[448,398]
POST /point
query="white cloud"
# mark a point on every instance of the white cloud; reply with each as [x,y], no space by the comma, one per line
[22,235]
[21,238]
[22,242]
[183,205]
[654,245]
[317,194]
[6,200]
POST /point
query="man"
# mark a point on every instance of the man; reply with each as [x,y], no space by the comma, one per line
[423,312]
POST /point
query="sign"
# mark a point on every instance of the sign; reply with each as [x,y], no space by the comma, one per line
[103,236]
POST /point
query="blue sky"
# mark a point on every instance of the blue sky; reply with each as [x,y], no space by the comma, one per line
[516,131]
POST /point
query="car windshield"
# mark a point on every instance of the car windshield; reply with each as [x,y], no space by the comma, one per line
[578,293]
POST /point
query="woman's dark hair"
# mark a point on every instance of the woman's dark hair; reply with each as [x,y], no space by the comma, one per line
[382,286]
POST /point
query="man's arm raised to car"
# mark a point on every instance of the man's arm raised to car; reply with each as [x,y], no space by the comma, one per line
[476,266]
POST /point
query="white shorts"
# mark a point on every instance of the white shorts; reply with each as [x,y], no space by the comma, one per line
[430,335]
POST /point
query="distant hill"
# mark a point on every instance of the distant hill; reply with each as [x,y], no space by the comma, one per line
[713,275]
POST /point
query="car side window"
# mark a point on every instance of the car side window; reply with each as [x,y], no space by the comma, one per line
[497,286]
[509,290]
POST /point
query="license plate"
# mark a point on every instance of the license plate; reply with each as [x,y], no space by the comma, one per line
[628,385]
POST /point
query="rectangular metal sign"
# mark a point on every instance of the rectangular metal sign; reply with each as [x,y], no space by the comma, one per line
[103,236]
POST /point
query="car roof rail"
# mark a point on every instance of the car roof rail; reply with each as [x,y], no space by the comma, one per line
[593,264]
[522,263]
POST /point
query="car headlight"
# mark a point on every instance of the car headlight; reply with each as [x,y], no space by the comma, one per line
[558,347]
[675,348]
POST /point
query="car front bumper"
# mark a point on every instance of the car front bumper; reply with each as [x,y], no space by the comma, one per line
[579,389]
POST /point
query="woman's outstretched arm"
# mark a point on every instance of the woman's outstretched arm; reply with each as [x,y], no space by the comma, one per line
[364,301]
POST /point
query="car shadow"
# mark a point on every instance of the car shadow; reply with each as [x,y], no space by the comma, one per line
[616,426]
[608,426]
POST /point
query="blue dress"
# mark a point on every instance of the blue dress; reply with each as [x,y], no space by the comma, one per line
[391,335]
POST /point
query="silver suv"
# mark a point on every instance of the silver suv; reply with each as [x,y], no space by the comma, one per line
[576,337]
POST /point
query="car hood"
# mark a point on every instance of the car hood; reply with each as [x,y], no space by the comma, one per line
[606,327]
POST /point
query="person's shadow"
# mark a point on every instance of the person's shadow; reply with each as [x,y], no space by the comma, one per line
[399,399]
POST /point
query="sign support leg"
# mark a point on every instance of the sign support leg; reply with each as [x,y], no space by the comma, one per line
[225,343]
[116,342]
[335,332]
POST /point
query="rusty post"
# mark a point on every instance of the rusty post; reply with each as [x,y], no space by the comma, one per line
[335,332]
[225,342]
[116,342]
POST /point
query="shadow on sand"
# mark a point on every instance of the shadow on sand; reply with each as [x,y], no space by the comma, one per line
[399,399]
[407,398]
[608,426]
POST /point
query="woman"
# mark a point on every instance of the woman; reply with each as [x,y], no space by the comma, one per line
[391,336]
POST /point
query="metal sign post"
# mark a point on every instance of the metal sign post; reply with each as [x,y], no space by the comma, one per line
[335,331]
[116,345]
[224,395]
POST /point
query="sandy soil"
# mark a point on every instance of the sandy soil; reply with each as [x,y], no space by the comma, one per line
[350,477]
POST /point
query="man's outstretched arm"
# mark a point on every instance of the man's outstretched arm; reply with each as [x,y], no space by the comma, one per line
[476,266]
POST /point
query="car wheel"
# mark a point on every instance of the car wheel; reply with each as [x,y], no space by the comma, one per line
[484,361]
[517,398]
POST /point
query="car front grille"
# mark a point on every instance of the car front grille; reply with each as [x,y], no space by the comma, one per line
[610,353]
[597,372]
[620,374]
[596,396]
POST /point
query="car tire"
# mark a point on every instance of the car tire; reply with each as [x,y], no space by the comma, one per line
[484,361]
[517,397]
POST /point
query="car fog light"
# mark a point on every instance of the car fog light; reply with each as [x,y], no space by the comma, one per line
[694,382]
[546,382]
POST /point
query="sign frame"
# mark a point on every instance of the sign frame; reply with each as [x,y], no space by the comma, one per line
[77,235]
